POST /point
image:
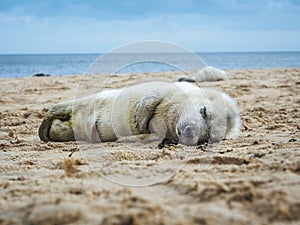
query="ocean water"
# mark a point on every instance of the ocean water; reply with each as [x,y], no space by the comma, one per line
[66,64]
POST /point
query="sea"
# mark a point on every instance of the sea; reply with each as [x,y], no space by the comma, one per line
[24,65]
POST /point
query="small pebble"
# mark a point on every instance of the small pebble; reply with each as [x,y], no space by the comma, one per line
[10,133]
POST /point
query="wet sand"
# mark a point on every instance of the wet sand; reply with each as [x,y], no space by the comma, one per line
[254,179]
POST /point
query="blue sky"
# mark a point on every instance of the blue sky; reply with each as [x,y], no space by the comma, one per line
[75,26]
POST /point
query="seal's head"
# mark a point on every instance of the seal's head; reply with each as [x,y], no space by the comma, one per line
[192,128]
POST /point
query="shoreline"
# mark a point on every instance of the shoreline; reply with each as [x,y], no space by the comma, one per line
[147,73]
[251,180]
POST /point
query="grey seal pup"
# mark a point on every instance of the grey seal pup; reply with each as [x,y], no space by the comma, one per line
[207,73]
[177,112]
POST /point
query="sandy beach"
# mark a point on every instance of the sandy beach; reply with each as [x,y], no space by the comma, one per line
[254,179]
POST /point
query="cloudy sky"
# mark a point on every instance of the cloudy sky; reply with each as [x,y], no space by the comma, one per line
[94,26]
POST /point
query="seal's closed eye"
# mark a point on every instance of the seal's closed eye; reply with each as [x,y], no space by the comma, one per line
[203,112]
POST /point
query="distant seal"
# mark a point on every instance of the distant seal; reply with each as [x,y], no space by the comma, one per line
[208,73]
[172,112]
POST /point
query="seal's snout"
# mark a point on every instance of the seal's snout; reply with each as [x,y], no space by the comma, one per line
[188,131]
[188,134]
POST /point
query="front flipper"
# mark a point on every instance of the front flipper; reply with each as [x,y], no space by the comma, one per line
[145,111]
[57,124]
[167,142]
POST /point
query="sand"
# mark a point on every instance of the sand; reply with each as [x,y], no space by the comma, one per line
[254,179]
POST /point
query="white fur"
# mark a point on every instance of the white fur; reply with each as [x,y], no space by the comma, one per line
[163,108]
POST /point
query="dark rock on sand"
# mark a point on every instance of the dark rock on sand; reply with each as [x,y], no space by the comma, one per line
[41,75]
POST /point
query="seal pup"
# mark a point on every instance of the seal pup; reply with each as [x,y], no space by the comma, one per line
[172,112]
[207,73]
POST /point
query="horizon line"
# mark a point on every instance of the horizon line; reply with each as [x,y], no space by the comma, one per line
[197,52]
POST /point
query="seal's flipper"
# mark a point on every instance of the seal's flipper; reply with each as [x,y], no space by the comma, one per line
[44,130]
[57,124]
[145,111]
[167,142]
